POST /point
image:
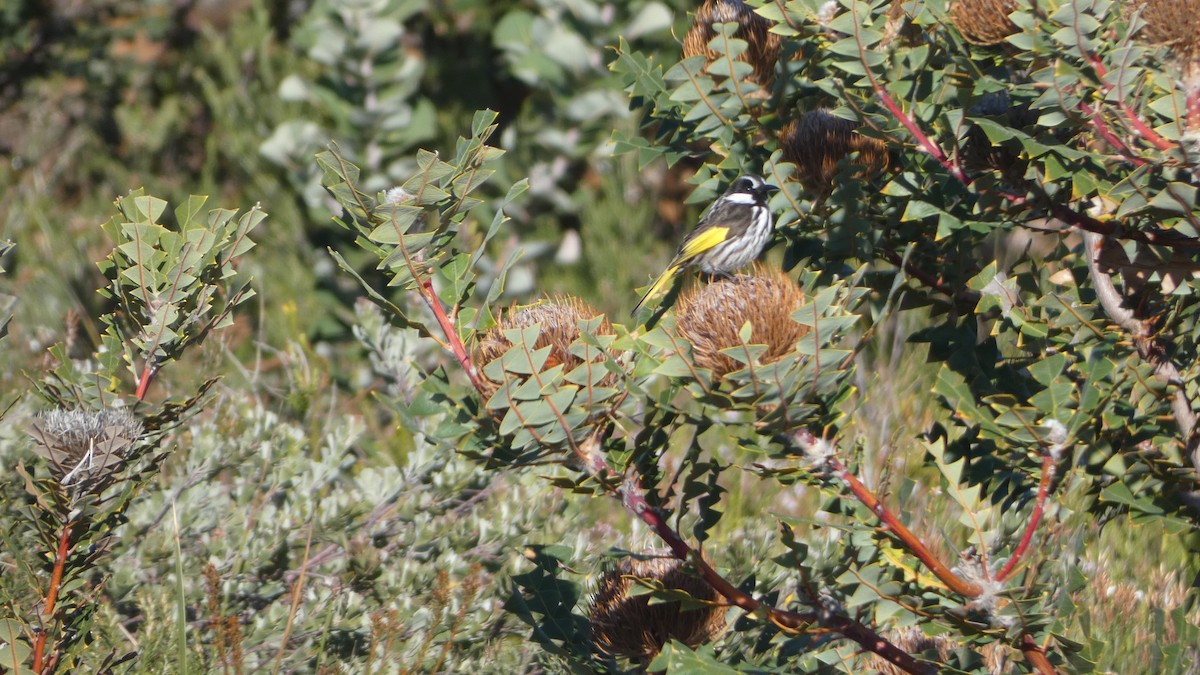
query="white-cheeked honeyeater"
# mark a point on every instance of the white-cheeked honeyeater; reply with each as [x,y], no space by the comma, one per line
[731,235]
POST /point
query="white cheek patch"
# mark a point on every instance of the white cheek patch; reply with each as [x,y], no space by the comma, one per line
[741,198]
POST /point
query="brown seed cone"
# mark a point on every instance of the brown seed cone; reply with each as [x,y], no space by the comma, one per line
[711,318]
[559,320]
[818,140]
[900,27]
[632,627]
[984,22]
[1174,24]
[762,50]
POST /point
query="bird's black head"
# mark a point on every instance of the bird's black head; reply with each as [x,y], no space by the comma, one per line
[750,184]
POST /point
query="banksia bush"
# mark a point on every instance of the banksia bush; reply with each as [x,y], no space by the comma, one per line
[984,22]
[818,140]
[628,625]
[558,320]
[712,317]
[762,50]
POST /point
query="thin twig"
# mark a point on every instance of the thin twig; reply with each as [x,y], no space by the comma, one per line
[297,591]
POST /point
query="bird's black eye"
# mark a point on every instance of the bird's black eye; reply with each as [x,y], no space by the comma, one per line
[745,185]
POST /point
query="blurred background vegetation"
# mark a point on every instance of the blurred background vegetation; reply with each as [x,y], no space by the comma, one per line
[304,523]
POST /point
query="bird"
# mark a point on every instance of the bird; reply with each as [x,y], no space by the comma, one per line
[730,235]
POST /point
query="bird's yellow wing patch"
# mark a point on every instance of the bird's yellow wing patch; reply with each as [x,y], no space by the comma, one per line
[702,242]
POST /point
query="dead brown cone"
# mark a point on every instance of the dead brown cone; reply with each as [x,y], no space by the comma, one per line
[559,320]
[712,317]
[1174,24]
[984,22]
[762,50]
[818,140]
[632,627]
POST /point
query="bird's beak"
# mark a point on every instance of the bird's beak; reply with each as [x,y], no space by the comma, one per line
[770,188]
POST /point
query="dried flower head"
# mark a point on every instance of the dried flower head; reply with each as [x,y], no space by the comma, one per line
[984,22]
[712,318]
[559,321]
[86,449]
[818,140]
[629,626]
[1174,24]
[900,27]
[762,50]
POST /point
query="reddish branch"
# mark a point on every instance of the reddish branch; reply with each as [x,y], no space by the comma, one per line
[1103,130]
[919,550]
[1048,470]
[452,338]
[635,502]
[1139,126]
[144,381]
[1033,653]
[56,576]
[1036,656]
[1076,219]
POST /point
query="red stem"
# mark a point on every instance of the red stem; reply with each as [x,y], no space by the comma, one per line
[144,381]
[910,541]
[1048,471]
[1036,656]
[1109,137]
[922,139]
[1076,219]
[456,343]
[636,503]
[1139,126]
[60,562]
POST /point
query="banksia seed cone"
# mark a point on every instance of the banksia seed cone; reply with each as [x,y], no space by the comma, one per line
[1176,25]
[762,50]
[712,317]
[87,450]
[559,320]
[818,140]
[984,22]
[632,627]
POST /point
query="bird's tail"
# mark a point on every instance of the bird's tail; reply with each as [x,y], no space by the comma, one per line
[659,283]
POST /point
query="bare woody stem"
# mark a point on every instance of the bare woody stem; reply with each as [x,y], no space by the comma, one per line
[1151,349]
[56,576]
